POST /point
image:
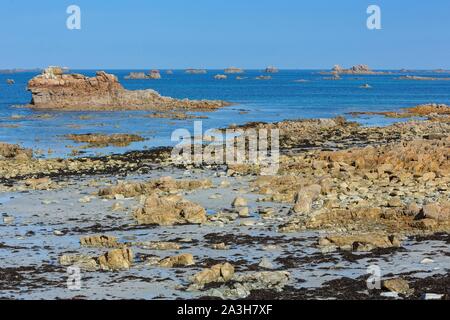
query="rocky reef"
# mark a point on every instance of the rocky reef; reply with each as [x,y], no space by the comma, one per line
[360,69]
[196,71]
[153,74]
[57,91]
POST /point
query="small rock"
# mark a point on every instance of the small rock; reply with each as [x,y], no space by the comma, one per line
[239,202]
[244,212]
[398,285]
[426,261]
[8,220]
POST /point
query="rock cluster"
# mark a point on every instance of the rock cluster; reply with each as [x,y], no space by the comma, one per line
[158,186]
[55,90]
[114,260]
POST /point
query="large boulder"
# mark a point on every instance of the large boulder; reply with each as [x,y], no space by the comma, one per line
[117,259]
[169,210]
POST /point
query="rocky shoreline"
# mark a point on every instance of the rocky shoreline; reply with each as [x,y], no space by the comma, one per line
[346,198]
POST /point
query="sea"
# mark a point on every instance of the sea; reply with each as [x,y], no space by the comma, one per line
[290,94]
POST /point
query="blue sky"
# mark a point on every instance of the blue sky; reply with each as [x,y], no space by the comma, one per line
[220,33]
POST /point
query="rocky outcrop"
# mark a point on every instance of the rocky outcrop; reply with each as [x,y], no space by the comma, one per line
[55,90]
[103,140]
[169,210]
[14,151]
[153,74]
[271,69]
[233,70]
[361,69]
[136,76]
[361,242]
[196,71]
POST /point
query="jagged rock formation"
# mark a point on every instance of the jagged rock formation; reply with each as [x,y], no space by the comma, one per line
[55,90]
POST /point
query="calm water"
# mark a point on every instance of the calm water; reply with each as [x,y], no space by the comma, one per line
[277,99]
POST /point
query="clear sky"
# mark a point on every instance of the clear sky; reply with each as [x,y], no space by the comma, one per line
[220,33]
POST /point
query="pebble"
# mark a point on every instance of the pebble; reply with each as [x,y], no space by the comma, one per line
[8,220]
[426,261]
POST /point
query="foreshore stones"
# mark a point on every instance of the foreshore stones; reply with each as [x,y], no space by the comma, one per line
[305,198]
[100,241]
[54,90]
[361,242]
[161,185]
[117,259]
[217,273]
[397,285]
[169,210]
[244,284]
[239,202]
[85,263]
[181,260]
[435,211]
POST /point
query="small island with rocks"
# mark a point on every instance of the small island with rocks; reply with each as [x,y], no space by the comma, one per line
[54,90]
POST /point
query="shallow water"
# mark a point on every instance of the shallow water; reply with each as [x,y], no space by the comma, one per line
[272,100]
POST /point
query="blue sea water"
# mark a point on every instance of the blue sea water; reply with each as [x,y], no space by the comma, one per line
[282,97]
